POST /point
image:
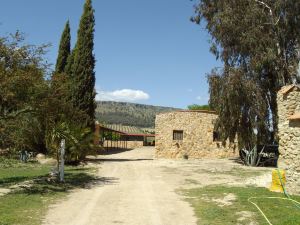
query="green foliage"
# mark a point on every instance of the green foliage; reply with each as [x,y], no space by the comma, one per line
[258,44]
[61,123]
[54,134]
[64,50]
[260,36]
[22,72]
[35,113]
[74,82]
[129,114]
[70,62]
[83,92]
[26,132]
[199,107]
[241,107]
[111,136]
[82,144]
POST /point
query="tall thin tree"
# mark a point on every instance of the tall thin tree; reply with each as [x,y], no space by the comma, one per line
[64,49]
[83,66]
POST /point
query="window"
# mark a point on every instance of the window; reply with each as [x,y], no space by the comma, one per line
[178,135]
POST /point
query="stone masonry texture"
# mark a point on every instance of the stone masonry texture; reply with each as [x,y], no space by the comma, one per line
[197,142]
[288,99]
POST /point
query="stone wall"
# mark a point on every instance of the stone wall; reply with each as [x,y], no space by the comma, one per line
[288,99]
[134,144]
[197,127]
[121,144]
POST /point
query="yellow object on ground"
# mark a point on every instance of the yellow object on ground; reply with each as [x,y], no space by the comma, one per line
[278,177]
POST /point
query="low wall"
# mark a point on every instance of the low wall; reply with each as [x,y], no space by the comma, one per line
[125,144]
[135,144]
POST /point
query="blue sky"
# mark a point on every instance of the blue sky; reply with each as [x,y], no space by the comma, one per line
[146,51]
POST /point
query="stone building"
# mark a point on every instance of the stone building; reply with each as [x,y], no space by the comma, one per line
[189,134]
[288,100]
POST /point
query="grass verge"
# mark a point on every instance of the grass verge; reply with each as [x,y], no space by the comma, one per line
[28,204]
[209,208]
[237,172]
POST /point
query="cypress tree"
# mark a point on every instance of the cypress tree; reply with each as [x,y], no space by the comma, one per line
[83,67]
[64,49]
[70,62]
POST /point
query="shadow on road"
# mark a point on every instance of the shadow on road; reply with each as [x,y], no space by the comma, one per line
[116,160]
[112,151]
[237,160]
[125,160]
[85,181]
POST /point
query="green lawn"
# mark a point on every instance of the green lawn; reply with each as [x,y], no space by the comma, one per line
[10,176]
[208,211]
[28,205]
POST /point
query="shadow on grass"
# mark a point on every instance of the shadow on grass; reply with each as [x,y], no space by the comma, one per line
[266,163]
[72,181]
[4,182]
[76,169]
[14,176]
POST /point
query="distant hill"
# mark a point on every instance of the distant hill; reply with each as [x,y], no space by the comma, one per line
[129,114]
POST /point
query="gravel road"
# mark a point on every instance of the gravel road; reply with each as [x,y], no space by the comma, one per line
[134,190]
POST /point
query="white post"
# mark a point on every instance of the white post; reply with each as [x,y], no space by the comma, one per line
[62,159]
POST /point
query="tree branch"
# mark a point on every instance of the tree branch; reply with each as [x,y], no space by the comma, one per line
[270,11]
[265,5]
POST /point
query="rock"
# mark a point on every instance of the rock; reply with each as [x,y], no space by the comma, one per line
[40,156]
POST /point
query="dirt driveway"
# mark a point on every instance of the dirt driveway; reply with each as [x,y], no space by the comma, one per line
[137,190]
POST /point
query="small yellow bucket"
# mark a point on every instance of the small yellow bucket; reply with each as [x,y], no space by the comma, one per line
[278,177]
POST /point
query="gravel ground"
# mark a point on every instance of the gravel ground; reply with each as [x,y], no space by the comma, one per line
[136,189]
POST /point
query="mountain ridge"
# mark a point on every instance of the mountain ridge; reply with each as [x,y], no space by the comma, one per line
[129,114]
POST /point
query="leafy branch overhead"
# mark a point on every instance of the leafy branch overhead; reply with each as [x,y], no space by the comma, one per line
[257,41]
[35,111]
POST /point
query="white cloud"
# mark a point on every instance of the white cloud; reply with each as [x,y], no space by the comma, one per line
[202,98]
[190,90]
[127,95]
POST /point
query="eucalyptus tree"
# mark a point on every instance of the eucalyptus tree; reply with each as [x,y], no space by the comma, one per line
[258,42]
